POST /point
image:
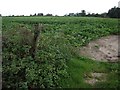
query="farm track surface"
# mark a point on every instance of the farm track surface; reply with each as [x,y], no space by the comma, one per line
[104,49]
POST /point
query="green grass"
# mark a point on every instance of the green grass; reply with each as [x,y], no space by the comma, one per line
[78,67]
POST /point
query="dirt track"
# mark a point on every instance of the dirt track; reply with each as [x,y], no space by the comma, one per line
[104,49]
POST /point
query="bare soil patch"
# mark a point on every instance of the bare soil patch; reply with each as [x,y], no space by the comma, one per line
[93,78]
[104,49]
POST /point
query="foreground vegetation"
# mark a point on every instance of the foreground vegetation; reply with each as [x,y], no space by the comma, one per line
[57,63]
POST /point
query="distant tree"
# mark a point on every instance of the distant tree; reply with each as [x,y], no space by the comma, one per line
[114,12]
[0,14]
[103,15]
[65,15]
[83,13]
[88,15]
[78,14]
[56,15]
[97,15]
[22,15]
[31,15]
[49,14]
[93,14]
[71,14]
[40,14]
[35,14]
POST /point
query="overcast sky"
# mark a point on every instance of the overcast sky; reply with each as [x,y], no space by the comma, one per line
[59,7]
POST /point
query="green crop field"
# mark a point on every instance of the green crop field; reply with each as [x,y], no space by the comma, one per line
[57,62]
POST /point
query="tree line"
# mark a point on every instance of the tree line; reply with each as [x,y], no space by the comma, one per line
[112,13]
[41,14]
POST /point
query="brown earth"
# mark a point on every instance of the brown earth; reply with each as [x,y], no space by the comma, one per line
[104,49]
[94,78]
